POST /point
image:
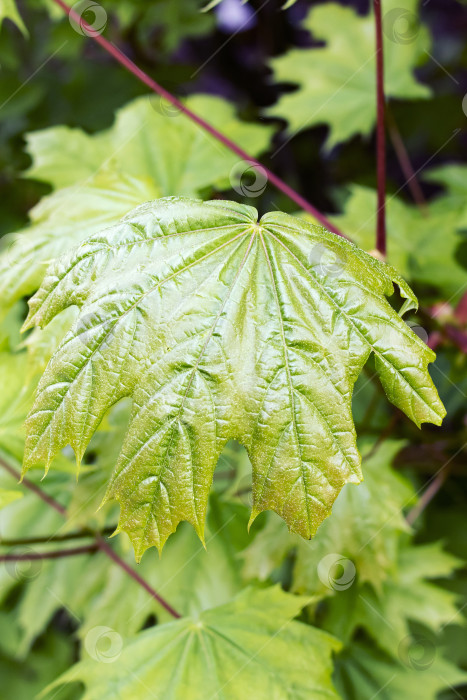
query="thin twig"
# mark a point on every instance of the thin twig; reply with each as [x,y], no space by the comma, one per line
[54,554]
[131,572]
[79,535]
[428,495]
[100,542]
[225,140]
[33,487]
[380,132]
[405,163]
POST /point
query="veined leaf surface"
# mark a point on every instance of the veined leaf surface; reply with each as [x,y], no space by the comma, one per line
[250,647]
[219,327]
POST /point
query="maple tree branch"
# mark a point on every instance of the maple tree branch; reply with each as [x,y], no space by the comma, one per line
[405,163]
[53,554]
[427,496]
[380,132]
[127,63]
[134,575]
[34,488]
[78,535]
[100,542]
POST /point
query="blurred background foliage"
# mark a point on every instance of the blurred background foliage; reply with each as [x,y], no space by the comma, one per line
[81,143]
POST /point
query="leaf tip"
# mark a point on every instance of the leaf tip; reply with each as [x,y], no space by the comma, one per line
[253,516]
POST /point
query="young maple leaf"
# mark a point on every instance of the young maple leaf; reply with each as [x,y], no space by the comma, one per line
[219,327]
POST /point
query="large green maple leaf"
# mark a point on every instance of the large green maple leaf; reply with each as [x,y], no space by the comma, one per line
[337,81]
[220,327]
[248,648]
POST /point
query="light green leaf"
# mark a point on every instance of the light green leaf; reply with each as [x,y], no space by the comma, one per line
[454,178]
[149,152]
[27,515]
[41,343]
[150,141]
[407,595]
[8,10]
[249,648]
[337,81]
[219,327]
[173,20]
[363,673]
[63,156]
[15,402]
[8,496]
[59,222]
[190,577]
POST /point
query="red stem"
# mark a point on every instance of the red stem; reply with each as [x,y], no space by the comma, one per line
[380,133]
[46,539]
[35,489]
[405,163]
[100,542]
[427,496]
[54,554]
[131,572]
[228,143]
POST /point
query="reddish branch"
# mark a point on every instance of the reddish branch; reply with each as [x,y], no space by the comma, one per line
[53,554]
[45,539]
[131,572]
[228,143]
[35,489]
[428,495]
[380,133]
[100,543]
[405,163]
